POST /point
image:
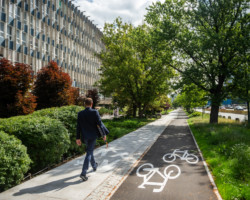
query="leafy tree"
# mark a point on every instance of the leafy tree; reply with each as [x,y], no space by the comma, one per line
[132,70]
[207,40]
[52,87]
[190,97]
[161,103]
[15,85]
[93,94]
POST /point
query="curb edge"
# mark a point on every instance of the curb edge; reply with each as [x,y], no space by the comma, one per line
[215,189]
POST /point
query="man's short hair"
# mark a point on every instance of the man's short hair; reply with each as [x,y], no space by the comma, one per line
[88,101]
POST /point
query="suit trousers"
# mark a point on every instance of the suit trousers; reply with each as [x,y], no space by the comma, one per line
[90,146]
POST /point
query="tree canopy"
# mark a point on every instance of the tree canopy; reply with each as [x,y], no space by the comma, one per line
[132,68]
[53,87]
[208,41]
[16,81]
[190,97]
[93,94]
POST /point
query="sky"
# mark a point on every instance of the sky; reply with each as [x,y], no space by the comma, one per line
[102,11]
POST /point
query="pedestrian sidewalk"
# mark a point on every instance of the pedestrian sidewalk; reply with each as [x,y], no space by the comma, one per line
[64,183]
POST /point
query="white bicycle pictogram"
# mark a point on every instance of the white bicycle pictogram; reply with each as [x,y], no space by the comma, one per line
[147,171]
[190,158]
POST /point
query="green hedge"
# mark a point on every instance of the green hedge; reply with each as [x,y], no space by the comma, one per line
[46,139]
[122,126]
[194,114]
[14,161]
[103,111]
[68,116]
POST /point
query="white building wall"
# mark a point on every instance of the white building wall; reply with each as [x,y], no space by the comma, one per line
[38,31]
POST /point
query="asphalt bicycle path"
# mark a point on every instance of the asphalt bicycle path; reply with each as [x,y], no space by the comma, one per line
[172,169]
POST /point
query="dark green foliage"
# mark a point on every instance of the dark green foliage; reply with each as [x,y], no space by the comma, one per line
[194,114]
[68,116]
[46,139]
[14,161]
[209,43]
[133,70]
[120,127]
[103,111]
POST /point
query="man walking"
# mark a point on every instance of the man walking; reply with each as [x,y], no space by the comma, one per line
[87,130]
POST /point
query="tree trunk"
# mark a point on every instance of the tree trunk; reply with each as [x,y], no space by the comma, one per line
[134,110]
[144,110]
[214,114]
[248,113]
[140,110]
[216,100]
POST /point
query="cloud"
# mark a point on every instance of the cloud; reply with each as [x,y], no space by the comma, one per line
[102,11]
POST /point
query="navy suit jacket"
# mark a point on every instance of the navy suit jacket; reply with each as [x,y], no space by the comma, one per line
[87,122]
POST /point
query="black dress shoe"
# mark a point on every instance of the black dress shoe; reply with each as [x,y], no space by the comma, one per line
[84,177]
[94,169]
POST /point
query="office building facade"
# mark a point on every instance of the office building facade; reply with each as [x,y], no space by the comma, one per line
[35,32]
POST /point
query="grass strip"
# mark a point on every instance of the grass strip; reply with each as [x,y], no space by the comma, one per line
[226,149]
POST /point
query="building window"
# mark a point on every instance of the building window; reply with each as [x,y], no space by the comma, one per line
[9,32]
[32,31]
[24,39]
[18,37]
[37,27]
[31,43]
[2,6]
[25,18]
[36,3]
[18,41]
[11,13]
[31,22]
[43,48]
[18,13]
[2,29]
[47,48]
[36,44]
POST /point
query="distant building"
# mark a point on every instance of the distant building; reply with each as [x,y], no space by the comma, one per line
[38,31]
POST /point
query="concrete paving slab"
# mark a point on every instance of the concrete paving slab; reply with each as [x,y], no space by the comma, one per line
[64,183]
[172,169]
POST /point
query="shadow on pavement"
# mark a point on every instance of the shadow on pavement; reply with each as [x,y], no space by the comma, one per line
[54,185]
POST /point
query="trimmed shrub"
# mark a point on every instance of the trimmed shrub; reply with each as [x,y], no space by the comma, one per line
[46,139]
[14,161]
[103,111]
[194,114]
[68,116]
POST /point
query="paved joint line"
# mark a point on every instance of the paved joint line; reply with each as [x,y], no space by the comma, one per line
[215,189]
